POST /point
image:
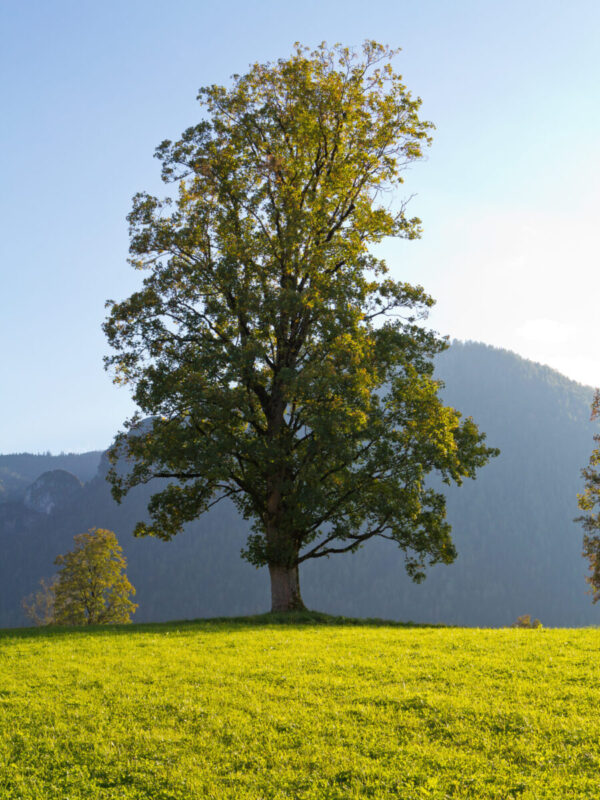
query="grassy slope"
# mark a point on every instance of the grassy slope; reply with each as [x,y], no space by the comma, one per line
[253,709]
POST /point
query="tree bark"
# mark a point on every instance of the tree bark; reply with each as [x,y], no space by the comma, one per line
[285,588]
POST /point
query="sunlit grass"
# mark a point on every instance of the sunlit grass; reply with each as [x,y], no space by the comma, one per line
[256,709]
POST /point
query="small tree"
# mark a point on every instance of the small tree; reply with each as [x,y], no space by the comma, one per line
[39,606]
[92,587]
[589,502]
[525,621]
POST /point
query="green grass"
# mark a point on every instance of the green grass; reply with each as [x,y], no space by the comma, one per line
[315,708]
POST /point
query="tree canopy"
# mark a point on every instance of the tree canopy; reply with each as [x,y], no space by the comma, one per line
[589,502]
[39,606]
[278,362]
[92,587]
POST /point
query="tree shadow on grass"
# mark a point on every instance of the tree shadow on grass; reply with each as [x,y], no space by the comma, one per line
[213,624]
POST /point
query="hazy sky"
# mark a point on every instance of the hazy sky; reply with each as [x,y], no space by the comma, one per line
[508,195]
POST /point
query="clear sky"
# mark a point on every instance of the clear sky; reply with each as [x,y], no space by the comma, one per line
[508,195]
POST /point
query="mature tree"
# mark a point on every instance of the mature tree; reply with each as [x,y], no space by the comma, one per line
[278,362]
[589,502]
[92,587]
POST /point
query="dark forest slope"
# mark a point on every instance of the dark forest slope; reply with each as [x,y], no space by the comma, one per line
[519,551]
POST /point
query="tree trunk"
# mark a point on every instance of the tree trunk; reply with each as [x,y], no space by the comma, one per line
[285,588]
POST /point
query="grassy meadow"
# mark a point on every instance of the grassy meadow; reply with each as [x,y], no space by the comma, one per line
[259,709]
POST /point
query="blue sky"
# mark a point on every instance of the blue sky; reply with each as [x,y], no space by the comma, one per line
[508,194]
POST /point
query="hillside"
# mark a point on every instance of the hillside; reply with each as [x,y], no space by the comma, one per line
[19,470]
[519,551]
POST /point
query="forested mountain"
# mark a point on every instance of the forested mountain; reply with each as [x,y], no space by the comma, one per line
[519,550]
[19,470]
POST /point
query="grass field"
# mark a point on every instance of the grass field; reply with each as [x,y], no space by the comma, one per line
[256,709]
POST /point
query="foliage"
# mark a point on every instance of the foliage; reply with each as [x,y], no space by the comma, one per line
[223,710]
[589,502]
[39,607]
[525,621]
[280,364]
[92,587]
